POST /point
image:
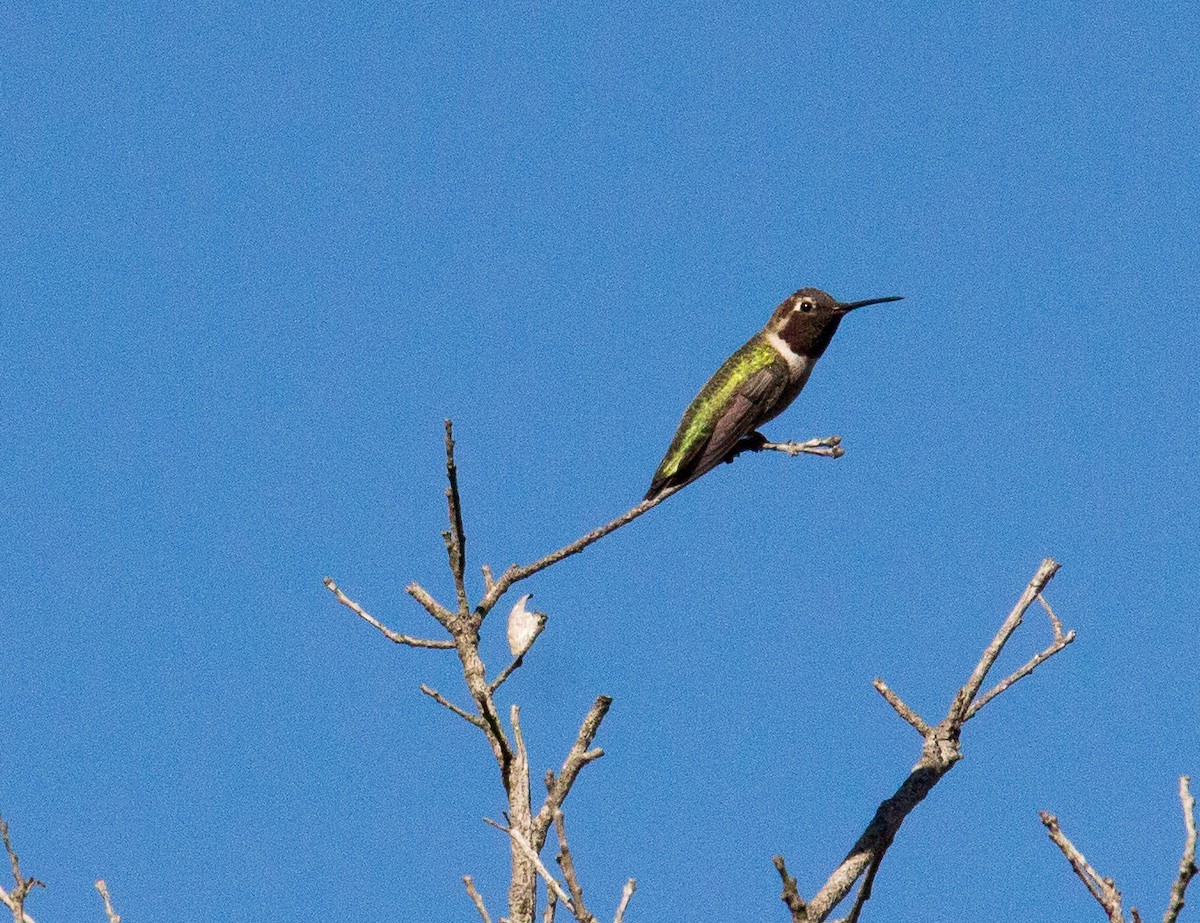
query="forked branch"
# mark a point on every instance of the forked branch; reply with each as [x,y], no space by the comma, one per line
[394,636]
[529,829]
[939,752]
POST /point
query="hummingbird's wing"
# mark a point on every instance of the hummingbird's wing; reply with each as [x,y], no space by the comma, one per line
[737,399]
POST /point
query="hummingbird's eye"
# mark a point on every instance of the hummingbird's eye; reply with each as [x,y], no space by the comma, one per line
[806,306]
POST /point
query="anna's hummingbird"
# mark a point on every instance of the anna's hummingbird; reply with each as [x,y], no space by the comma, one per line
[754,385]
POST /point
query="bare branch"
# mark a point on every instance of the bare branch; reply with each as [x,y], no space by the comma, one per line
[113,916]
[446,703]
[1044,575]
[939,752]
[791,895]
[431,605]
[551,881]
[1054,622]
[506,673]
[864,890]
[578,757]
[393,636]
[567,863]
[1187,864]
[514,718]
[626,895]
[456,539]
[476,898]
[516,573]
[1032,664]
[1104,890]
[551,906]
[15,899]
[901,708]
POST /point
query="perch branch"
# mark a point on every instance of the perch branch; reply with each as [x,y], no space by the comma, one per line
[824,446]
[516,573]
[828,446]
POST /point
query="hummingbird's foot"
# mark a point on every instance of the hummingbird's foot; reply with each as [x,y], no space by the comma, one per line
[826,447]
[755,442]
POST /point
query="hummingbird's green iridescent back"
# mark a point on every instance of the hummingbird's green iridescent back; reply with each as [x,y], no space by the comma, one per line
[755,375]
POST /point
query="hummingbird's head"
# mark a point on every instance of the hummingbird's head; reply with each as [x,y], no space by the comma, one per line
[808,319]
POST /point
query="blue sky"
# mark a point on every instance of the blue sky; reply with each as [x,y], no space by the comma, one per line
[250,259]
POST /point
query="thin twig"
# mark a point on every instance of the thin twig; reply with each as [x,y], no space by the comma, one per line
[567,863]
[791,894]
[506,673]
[456,538]
[626,895]
[1054,622]
[829,446]
[113,916]
[1104,890]
[551,906]
[864,890]
[1187,864]
[446,703]
[1032,664]
[476,898]
[431,605]
[15,899]
[394,636]
[551,881]
[902,709]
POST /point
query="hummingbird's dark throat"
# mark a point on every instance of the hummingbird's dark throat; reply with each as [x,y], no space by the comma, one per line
[807,335]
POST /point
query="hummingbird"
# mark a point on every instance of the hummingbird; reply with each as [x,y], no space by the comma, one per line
[753,386]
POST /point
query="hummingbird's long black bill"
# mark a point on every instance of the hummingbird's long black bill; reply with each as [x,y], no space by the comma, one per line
[844,306]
